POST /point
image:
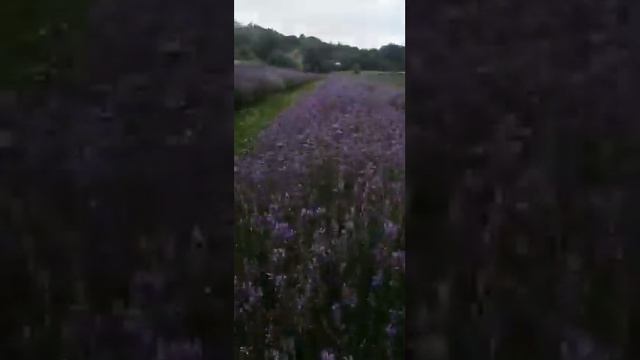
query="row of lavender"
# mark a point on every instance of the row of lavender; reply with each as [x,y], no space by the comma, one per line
[252,82]
[319,256]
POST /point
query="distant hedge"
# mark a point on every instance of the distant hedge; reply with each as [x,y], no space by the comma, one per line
[252,82]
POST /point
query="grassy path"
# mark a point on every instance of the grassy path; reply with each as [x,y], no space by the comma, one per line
[390,78]
[250,121]
[379,77]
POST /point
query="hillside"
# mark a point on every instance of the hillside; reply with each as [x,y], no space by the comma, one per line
[253,42]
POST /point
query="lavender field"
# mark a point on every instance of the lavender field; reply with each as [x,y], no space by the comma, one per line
[319,246]
[253,82]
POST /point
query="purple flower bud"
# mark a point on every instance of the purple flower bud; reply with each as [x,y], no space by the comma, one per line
[377,280]
[282,231]
[391,330]
[327,355]
[349,296]
[390,230]
[279,280]
[397,260]
[336,313]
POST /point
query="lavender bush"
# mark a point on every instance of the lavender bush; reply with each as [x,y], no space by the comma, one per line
[253,81]
[320,229]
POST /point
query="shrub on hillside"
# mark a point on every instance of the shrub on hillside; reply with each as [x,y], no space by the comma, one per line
[244,53]
[280,59]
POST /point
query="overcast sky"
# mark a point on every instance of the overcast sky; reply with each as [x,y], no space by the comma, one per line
[361,23]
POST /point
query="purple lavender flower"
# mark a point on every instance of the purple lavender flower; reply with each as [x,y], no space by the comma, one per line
[279,280]
[252,82]
[282,231]
[377,280]
[318,179]
[278,254]
[391,330]
[390,230]
[327,355]
[336,314]
[248,295]
[349,296]
[397,259]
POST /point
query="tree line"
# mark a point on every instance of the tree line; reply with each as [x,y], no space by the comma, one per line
[255,43]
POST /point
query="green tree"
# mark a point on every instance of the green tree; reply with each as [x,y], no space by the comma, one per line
[244,53]
[316,56]
[264,44]
[312,59]
[394,55]
[280,59]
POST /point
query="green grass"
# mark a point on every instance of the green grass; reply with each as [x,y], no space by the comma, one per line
[381,77]
[250,121]
[250,62]
[391,78]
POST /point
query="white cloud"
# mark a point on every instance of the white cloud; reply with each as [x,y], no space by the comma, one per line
[362,23]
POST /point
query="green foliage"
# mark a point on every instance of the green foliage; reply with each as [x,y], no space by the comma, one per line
[312,59]
[265,44]
[244,53]
[394,55]
[317,56]
[356,68]
[390,78]
[280,59]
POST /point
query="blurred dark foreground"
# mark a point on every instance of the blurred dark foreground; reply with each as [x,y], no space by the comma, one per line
[523,171]
[111,209]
